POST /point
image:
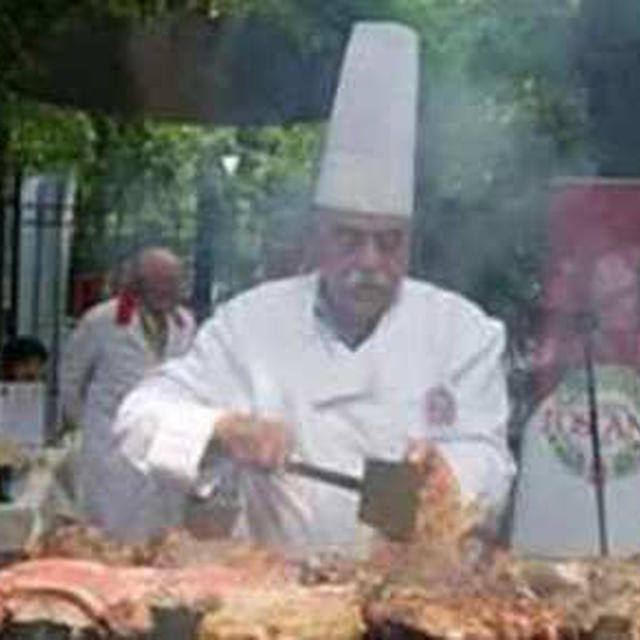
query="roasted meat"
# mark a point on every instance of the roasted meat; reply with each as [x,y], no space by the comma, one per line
[449,582]
[119,600]
[326,612]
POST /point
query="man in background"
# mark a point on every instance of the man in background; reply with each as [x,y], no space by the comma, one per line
[115,345]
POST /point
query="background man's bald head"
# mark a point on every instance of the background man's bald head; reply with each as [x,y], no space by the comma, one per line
[157,274]
[156,260]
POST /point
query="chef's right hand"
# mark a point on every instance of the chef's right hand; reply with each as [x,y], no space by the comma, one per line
[263,442]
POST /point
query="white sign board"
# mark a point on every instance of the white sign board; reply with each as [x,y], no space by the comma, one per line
[22,412]
[555,512]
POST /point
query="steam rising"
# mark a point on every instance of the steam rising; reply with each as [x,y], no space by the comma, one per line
[503,115]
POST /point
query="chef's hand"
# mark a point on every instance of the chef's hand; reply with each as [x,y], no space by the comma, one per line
[431,465]
[263,442]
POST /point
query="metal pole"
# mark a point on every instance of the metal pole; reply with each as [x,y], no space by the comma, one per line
[52,412]
[40,205]
[4,210]
[3,244]
[207,228]
[594,430]
[16,235]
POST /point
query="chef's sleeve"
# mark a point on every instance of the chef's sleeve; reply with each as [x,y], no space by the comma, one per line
[475,443]
[163,430]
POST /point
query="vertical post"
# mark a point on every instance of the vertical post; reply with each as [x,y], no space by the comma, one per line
[16,206]
[4,135]
[3,222]
[58,204]
[41,205]
[206,234]
[594,431]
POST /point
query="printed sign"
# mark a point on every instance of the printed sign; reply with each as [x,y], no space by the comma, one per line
[590,309]
[22,412]
[565,421]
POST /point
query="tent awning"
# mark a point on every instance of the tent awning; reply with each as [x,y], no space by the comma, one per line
[185,67]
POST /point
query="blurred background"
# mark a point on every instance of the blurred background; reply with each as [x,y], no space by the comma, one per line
[197,124]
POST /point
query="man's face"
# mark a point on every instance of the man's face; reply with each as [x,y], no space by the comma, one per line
[362,259]
[27,370]
[160,289]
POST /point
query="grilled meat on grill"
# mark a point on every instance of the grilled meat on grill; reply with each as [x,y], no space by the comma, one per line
[438,586]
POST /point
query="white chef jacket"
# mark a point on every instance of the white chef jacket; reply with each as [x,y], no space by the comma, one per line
[267,352]
[103,360]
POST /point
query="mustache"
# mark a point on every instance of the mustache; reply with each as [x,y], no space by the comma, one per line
[357,278]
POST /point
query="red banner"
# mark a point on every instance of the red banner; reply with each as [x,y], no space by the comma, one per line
[592,282]
[579,480]
[591,301]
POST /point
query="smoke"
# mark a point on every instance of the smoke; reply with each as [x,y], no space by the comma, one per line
[285,238]
[500,121]
[487,171]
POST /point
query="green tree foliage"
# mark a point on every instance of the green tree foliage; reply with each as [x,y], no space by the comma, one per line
[503,112]
[45,137]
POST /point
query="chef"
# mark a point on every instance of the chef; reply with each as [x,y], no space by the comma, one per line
[351,361]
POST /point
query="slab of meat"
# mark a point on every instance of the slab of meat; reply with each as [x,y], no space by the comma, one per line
[81,594]
[293,612]
[513,598]
[84,542]
[480,617]
[252,597]
[246,595]
[437,586]
[175,549]
[594,594]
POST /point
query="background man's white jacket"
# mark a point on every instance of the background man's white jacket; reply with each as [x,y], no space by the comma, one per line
[104,360]
[266,352]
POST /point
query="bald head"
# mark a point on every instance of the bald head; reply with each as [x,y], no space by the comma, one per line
[156,278]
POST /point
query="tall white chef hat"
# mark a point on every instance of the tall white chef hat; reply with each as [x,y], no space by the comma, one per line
[368,162]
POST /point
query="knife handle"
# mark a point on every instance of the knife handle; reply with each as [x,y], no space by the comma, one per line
[334,478]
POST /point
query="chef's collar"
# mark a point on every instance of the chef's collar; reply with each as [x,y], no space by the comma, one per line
[323,311]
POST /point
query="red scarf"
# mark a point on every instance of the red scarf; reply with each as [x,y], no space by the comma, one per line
[127,305]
